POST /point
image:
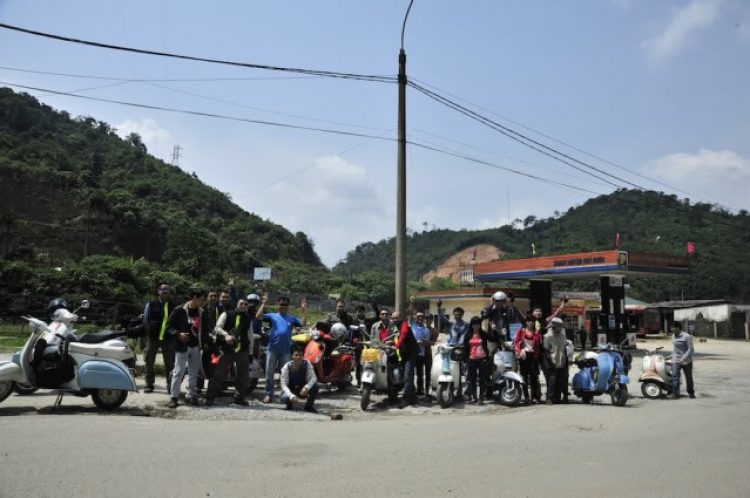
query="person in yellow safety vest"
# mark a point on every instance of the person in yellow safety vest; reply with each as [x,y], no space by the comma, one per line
[155,318]
[234,335]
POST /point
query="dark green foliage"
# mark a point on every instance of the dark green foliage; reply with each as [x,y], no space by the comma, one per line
[720,267]
[55,172]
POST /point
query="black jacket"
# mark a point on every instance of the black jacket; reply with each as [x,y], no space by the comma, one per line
[248,325]
[179,322]
[156,317]
[407,343]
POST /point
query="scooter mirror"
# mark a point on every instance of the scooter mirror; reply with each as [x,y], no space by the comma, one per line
[85,304]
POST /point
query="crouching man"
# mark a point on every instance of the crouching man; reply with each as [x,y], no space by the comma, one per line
[298,381]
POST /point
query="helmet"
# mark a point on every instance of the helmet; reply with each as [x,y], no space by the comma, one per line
[55,305]
[338,331]
[253,297]
[499,296]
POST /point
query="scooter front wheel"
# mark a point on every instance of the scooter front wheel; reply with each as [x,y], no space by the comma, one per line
[510,394]
[620,395]
[445,395]
[366,393]
[109,399]
[651,390]
[6,387]
[23,389]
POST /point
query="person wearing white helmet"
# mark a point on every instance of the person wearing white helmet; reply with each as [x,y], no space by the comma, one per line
[496,315]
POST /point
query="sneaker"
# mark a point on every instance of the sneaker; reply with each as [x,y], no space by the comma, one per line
[191,401]
[550,402]
[289,405]
[672,396]
[473,401]
[240,402]
[536,401]
[267,400]
[692,396]
[149,390]
[403,404]
[172,403]
[311,409]
[481,401]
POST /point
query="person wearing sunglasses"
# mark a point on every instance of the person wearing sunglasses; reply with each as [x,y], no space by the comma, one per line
[155,317]
[382,328]
[279,338]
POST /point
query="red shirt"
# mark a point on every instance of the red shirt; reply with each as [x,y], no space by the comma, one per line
[476,349]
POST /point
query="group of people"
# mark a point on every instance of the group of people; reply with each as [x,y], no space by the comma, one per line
[205,324]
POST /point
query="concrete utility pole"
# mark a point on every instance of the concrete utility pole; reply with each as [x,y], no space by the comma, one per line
[401,188]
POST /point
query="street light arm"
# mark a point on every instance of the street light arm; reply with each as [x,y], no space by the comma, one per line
[403,28]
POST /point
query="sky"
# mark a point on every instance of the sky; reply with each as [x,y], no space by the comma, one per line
[657,88]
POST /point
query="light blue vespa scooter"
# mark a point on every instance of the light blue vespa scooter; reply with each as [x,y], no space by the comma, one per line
[603,371]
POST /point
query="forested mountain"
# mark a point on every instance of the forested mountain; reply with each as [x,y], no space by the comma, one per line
[57,173]
[720,266]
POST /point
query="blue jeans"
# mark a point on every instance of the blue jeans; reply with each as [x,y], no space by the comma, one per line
[273,361]
[310,397]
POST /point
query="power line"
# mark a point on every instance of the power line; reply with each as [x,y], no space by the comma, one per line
[330,74]
[299,172]
[199,113]
[166,80]
[493,165]
[237,104]
[566,144]
[501,155]
[522,139]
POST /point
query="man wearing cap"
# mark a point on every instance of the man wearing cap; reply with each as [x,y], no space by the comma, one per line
[556,359]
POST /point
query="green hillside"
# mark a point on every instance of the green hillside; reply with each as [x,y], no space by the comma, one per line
[57,172]
[720,267]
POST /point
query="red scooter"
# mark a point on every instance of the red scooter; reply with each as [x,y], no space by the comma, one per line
[333,364]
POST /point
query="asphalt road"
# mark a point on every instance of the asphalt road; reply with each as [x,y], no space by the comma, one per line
[685,448]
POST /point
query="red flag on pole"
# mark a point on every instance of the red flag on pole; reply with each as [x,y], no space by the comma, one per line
[690,248]
[617,240]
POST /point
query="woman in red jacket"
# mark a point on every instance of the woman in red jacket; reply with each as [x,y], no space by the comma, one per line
[528,345]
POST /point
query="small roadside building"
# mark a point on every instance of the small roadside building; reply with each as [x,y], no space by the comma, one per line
[718,318]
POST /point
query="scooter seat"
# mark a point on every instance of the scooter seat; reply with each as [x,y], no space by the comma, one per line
[118,351]
[98,337]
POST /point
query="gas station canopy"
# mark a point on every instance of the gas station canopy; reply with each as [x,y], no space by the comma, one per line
[582,266]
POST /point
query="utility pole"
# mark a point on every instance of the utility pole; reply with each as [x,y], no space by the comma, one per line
[176,155]
[401,188]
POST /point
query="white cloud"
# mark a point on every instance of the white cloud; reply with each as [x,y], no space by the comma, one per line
[705,164]
[341,208]
[698,14]
[158,140]
[717,176]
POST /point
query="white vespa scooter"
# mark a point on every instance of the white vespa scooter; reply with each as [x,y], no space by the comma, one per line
[98,369]
[505,377]
[380,371]
[445,377]
[657,375]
